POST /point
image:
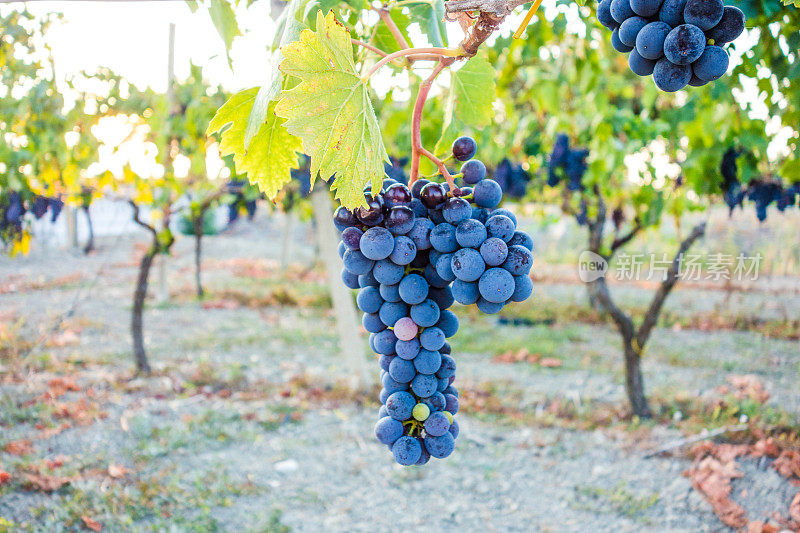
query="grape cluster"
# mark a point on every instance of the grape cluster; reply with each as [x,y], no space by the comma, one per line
[13,208]
[512,178]
[409,252]
[762,193]
[679,42]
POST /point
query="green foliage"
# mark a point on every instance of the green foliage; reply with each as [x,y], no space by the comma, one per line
[331,112]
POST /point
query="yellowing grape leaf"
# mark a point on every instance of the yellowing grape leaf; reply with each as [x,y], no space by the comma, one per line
[272,152]
[331,112]
[795,3]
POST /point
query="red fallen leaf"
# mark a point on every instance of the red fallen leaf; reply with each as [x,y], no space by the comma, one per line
[550,362]
[56,462]
[794,508]
[4,477]
[19,447]
[788,464]
[117,471]
[766,447]
[222,304]
[94,525]
[729,452]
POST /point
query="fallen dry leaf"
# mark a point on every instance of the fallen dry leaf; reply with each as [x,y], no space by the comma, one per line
[788,464]
[56,462]
[94,525]
[712,478]
[550,362]
[794,508]
[117,471]
[45,483]
[4,477]
[19,447]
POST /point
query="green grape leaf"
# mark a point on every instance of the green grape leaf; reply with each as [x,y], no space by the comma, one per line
[795,3]
[331,112]
[383,37]
[192,5]
[273,151]
[469,101]
[430,17]
[224,20]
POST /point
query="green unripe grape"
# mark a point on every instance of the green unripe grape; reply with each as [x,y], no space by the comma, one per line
[448,415]
[421,412]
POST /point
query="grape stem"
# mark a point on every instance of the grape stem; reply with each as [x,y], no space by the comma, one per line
[433,52]
[383,13]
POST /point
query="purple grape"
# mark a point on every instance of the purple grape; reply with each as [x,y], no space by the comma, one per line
[400,220]
[464,148]
[405,329]
[397,194]
[432,195]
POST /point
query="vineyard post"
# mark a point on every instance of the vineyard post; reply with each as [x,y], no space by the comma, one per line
[347,323]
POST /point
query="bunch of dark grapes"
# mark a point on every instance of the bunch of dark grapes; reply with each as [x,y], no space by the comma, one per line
[732,190]
[13,208]
[568,164]
[679,42]
[512,178]
[395,169]
[394,250]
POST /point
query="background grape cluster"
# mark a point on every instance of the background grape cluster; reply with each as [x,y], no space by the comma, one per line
[411,253]
[679,42]
[13,208]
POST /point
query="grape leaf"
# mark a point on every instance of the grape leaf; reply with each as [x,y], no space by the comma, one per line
[273,151]
[331,112]
[795,3]
[469,101]
[224,20]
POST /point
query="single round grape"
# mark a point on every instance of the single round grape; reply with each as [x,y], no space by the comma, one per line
[428,361]
[448,323]
[369,300]
[367,280]
[443,238]
[697,82]
[382,412]
[390,293]
[444,383]
[420,412]
[404,250]
[452,404]
[684,44]
[507,213]
[617,43]
[425,456]
[480,214]
[435,401]
[389,383]
[464,148]
[407,450]
[444,267]
[433,278]
[431,339]
[436,216]
[386,271]
[705,14]
[408,349]
[349,279]
[418,208]
[445,349]
[372,215]
[455,210]
[639,65]
[465,293]
[494,251]
[621,10]
[463,191]
[397,194]
[487,193]
[417,187]
[443,297]
[344,218]
[473,171]
[437,424]
[401,370]
[470,233]
[341,249]
[413,289]
[400,220]
[500,226]
[712,64]
[451,390]
[519,260]
[351,238]
[405,329]
[372,323]
[629,30]
[384,342]
[523,239]
[391,312]
[356,262]
[496,285]
[467,264]
[650,40]
[447,368]
[383,396]
[420,233]
[489,308]
[400,404]
[646,8]
[672,13]
[729,28]
[425,314]
[432,195]
[388,430]
[523,288]
[384,361]
[439,447]
[604,15]
[454,429]
[670,77]
[376,243]
[423,385]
